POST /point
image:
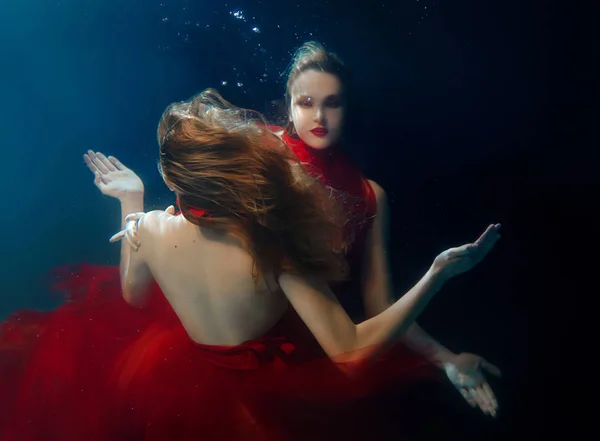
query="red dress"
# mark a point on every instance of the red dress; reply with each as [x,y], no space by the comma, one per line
[97,368]
[335,169]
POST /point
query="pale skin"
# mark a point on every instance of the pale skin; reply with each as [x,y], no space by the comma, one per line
[464,370]
[316,102]
[219,304]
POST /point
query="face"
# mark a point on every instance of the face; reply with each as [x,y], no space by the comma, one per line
[316,108]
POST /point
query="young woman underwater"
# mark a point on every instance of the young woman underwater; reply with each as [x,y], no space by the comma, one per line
[316,95]
[239,336]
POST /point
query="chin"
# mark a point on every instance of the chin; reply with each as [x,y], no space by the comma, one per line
[320,145]
[317,143]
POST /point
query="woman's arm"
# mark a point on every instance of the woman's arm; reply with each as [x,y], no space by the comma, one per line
[337,334]
[115,180]
[135,274]
[377,284]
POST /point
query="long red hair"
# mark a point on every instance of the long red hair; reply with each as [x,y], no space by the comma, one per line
[223,159]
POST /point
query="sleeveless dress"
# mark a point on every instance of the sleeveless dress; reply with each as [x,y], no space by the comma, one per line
[335,170]
[97,368]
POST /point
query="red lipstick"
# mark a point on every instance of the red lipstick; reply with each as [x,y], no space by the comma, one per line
[319,131]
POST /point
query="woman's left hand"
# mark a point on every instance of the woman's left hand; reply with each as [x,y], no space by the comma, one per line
[112,177]
[466,374]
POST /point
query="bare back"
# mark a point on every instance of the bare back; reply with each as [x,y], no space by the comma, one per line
[206,276]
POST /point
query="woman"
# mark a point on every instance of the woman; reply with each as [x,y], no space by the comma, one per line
[316,95]
[234,361]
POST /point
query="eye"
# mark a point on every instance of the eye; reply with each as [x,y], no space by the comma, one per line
[333,102]
[304,103]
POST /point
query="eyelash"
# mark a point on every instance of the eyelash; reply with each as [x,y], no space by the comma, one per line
[306,104]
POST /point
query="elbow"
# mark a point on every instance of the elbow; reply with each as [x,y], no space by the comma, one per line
[131,298]
[347,348]
[135,296]
[135,285]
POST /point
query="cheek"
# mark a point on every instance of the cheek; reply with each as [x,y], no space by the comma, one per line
[299,119]
[335,118]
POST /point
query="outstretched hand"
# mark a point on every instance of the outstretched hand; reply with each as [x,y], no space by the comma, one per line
[111,177]
[130,232]
[466,372]
[455,261]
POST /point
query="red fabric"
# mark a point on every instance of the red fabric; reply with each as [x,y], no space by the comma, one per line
[99,369]
[335,169]
[54,365]
[197,212]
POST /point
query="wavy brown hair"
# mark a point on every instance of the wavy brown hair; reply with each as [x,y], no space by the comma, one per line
[224,159]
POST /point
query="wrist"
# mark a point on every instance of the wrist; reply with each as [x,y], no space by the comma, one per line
[132,203]
[131,198]
[421,342]
[436,276]
[445,358]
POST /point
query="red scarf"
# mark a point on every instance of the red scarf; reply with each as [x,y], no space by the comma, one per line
[336,170]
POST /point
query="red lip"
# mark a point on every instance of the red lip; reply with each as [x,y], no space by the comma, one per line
[319,131]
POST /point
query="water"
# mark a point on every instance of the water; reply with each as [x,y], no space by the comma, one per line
[450,113]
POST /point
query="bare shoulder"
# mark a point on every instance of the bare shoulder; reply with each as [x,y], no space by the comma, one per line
[156,223]
[383,210]
[380,194]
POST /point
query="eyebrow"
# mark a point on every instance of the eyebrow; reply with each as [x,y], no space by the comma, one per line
[333,95]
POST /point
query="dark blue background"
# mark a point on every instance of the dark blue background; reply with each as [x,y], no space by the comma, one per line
[467,112]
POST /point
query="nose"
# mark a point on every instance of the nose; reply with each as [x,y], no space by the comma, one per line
[319,116]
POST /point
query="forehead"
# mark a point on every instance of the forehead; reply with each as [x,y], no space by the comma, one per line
[316,84]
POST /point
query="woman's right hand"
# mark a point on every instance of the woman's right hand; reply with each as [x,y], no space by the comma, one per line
[129,231]
[455,261]
[111,177]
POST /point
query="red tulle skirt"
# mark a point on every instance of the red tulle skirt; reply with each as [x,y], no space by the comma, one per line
[97,368]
